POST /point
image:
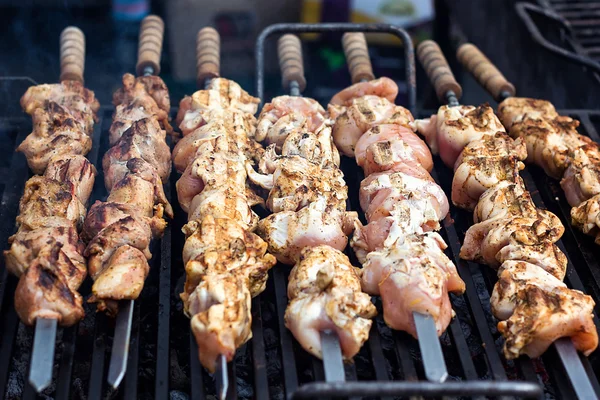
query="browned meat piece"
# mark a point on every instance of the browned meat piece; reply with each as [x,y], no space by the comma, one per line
[515,109]
[55,133]
[216,246]
[139,98]
[44,292]
[143,139]
[122,278]
[77,170]
[537,309]
[222,319]
[26,245]
[46,199]
[79,102]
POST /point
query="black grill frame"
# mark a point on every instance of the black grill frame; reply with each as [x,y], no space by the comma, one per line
[393,357]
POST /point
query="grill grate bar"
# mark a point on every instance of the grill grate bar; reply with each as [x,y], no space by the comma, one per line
[464,354]
[261,383]
[65,371]
[131,377]
[98,358]
[161,389]
[288,358]
[9,331]
[196,373]
[405,359]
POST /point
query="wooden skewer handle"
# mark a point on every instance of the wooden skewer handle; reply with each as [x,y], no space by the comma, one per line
[357,56]
[72,54]
[289,51]
[208,58]
[484,71]
[150,44]
[431,57]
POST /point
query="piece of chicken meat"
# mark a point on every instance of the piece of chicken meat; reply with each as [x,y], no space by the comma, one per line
[413,275]
[220,100]
[586,217]
[537,309]
[452,128]
[144,139]
[222,319]
[288,232]
[485,239]
[550,143]
[515,109]
[71,96]
[287,114]
[55,133]
[382,87]
[44,291]
[386,146]
[581,180]
[139,98]
[325,294]
[362,114]
[215,246]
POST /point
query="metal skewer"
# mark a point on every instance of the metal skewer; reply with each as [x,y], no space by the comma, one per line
[359,64]
[72,62]
[149,50]
[42,355]
[208,48]
[120,348]
[291,63]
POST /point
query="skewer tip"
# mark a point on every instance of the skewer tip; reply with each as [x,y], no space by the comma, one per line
[42,355]
[222,377]
[431,350]
[120,348]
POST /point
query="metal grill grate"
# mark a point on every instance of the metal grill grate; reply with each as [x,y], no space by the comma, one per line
[163,361]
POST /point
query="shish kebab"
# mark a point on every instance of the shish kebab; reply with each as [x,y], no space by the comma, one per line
[510,233]
[327,311]
[552,141]
[402,255]
[46,253]
[119,230]
[226,263]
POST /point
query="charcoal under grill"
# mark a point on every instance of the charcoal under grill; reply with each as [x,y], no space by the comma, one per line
[163,359]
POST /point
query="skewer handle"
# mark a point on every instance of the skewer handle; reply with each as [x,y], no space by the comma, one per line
[357,55]
[150,45]
[437,68]
[289,51]
[484,71]
[72,54]
[208,50]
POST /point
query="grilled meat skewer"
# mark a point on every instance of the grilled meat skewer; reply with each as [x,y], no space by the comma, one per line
[512,234]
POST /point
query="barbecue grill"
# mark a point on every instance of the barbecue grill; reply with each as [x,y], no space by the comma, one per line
[163,360]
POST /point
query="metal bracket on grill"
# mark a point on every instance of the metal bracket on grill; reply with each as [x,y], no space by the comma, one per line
[339,27]
[524,9]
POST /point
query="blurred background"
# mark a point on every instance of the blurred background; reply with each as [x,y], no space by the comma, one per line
[31,28]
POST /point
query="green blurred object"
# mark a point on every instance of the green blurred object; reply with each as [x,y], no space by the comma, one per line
[334,59]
